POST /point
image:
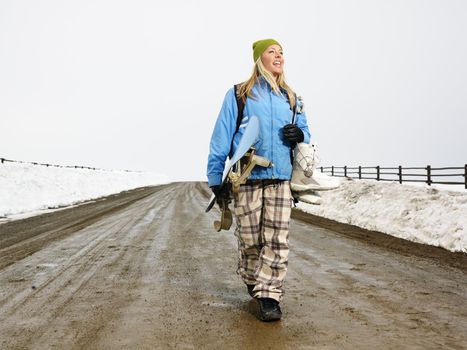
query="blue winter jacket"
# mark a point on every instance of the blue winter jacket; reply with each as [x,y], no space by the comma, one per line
[273,112]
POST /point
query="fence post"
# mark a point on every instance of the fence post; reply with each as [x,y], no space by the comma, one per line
[332,170]
[428,175]
[3,159]
[465,175]
[377,172]
[345,170]
[400,174]
[321,169]
[360,172]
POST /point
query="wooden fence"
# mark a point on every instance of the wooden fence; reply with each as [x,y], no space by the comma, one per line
[3,160]
[428,174]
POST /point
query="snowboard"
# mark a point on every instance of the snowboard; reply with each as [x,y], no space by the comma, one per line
[249,138]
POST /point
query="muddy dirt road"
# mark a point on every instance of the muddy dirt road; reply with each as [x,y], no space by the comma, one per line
[145,270]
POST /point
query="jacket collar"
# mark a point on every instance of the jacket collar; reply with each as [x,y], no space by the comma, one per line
[264,84]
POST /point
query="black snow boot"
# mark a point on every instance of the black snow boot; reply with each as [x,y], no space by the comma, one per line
[250,289]
[269,309]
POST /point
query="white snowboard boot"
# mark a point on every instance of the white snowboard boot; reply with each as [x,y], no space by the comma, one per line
[305,177]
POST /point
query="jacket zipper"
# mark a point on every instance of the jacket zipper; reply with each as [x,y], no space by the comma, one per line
[272,130]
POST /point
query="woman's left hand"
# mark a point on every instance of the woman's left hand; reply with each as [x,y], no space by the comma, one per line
[293,133]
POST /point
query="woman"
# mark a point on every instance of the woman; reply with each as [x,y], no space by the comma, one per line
[263,204]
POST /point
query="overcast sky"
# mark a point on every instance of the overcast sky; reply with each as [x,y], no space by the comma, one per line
[138,84]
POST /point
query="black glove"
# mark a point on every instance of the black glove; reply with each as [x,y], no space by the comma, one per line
[221,192]
[293,133]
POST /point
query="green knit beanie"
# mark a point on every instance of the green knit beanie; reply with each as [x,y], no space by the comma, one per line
[261,45]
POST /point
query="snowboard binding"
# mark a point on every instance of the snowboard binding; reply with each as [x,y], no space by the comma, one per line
[242,170]
[237,176]
[226,216]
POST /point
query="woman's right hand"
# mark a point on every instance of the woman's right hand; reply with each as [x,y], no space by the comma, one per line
[221,192]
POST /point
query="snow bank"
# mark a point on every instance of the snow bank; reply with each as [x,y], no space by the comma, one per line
[26,187]
[421,214]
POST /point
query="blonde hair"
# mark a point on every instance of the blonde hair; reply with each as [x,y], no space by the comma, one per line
[277,84]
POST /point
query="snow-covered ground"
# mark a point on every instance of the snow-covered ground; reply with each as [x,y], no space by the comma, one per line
[26,189]
[429,215]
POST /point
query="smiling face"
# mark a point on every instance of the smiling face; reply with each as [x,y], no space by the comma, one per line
[273,59]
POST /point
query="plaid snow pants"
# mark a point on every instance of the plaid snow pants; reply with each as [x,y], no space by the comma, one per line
[262,211]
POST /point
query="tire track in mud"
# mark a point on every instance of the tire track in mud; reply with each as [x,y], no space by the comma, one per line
[88,245]
[21,238]
[53,295]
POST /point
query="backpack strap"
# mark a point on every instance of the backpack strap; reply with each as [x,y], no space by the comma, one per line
[294,109]
[240,108]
